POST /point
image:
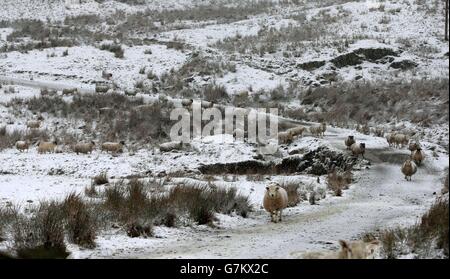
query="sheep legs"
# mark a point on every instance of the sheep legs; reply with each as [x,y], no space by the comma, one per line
[275,216]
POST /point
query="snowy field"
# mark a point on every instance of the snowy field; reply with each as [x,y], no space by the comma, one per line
[293,48]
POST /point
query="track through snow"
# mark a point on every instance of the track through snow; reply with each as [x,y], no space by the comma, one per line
[380,198]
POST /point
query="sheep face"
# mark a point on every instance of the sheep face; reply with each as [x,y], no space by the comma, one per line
[122,142]
[362,145]
[272,190]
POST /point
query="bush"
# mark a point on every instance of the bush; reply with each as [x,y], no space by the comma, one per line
[114,48]
[81,225]
[215,93]
[337,182]
[101,179]
[293,193]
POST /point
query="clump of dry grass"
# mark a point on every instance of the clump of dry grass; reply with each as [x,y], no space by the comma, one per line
[294,196]
[337,181]
[101,179]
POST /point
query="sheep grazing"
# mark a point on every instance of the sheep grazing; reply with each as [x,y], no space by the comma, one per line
[349,141]
[113,147]
[401,140]
[22,145]
[46,147]
[169,146]
[84,148]
[275,200]
[285,137]
[297,131]
[409,168]
[33,124]
[187,102]
[206,104]
[418,155]
[358,148]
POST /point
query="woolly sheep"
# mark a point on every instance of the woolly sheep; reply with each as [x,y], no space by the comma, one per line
[106,75]
[285,137]
[113,147]
[84,148]
[413,146]
[418,156]
[22,145]
[297,131]
[349,141]
[318,130]
[33,124]
[358,148]
[401,140]
[348,250]
[46,147]
[187,102]
[206,104]
[390,138]
[169,146]
[409,168]
[275,200]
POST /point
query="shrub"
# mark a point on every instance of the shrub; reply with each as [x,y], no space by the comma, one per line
[215,93]
[101,179]
[114,48]
[137,229]
[81,226]
[337,182]
[293,193]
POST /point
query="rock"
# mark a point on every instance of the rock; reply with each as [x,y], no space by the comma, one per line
[348,59]
[310,66]
[403,64]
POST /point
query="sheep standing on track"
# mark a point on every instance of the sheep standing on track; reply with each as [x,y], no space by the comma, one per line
[169,146]
[285,137]
[318,130]
[33,124]
[113,147]
[84,148]
[390,138]
[22,145]
[401,140]
[297,131]
[46,147]
[418,155]
[358,148]
[409,168]
[349,141]
[413,146]
[348,250]
[275,200]
[187,102]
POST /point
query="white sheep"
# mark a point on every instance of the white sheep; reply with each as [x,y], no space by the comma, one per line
[33,124]
[358,148]
[206,104]
[318,130]
[348,250]
[409,168]
[401,140]
[46,147]
[22,145]
[390,138]
[275,200]
[106,75]
[169,146]
[187,102]
[84,148]
[113,147]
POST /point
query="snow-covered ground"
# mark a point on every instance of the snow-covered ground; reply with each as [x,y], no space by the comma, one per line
[379,198]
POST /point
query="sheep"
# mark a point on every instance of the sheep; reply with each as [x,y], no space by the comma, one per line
[106,75]
[379,132]
[84,148]
[349,141]
[297,131]
[169,146]
[418,156]
[358,148]
[33,124]
[390,138]
[206,104]
[348,250]
[113,147]
[318,130]
[22,145]
[413,146]
[46,147]
[409,168]
[401,140]
[285,137]
[275,200]
[68,91]
[187,102]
